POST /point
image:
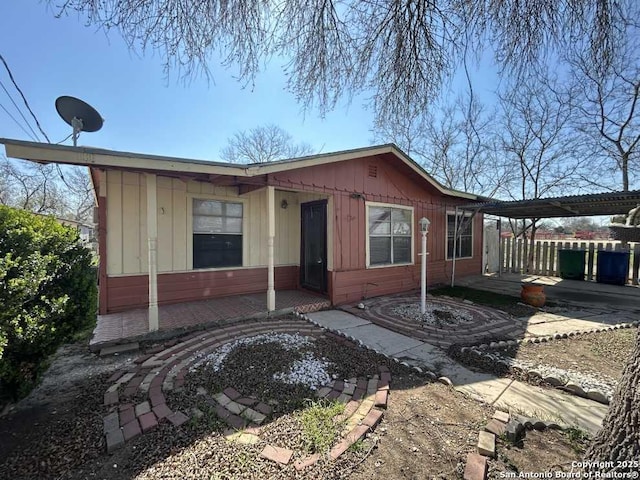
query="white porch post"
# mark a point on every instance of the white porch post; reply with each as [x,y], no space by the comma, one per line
[271,218]
[152,236]
[424,229]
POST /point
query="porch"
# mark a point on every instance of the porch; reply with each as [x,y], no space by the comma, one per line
[558,290]
[114,328]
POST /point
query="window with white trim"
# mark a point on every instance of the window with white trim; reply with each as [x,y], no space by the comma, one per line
[390,235]
[217,234]
[464,243]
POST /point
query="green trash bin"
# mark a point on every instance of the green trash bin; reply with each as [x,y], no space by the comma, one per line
[571,264]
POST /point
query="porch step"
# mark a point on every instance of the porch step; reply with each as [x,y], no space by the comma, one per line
[121,348]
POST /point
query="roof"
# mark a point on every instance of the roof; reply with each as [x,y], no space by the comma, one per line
[610,203]
[102,158]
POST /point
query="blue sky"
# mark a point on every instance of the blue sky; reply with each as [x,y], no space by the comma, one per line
[143,110]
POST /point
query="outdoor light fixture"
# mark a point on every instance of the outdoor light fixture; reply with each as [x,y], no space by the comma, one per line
[424,225]
[424,229]
[284,204]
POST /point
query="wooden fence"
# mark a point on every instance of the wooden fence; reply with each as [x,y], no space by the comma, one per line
[514,253]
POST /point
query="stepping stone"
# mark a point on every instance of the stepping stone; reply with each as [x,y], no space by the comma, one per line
[501,416]
[496,427]
[234,407]
[127,415]
[111,398]
[263,408]
[381,398]
[222,399]
[148,421]
[131,430]
[177,418]
[487,444]
[162,411]
[110,423]
[277,454]
[476,467]
[323,392]
[253,416]
[373,418]
[142,408]
[115,440]
[232,393]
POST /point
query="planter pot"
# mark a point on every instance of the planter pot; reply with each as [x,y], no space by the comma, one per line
[533,295]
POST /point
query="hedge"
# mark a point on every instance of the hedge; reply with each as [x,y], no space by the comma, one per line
[48,293]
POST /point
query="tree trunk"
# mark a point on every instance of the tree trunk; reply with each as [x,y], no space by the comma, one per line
[619,439]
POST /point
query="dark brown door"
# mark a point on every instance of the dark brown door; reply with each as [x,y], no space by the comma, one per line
[313,254]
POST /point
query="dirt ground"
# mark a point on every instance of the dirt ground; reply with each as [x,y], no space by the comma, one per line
[547,451]
[56,433]
[596,353]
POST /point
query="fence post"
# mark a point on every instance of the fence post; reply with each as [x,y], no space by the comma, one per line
[590,257]
[545,258]
[552,259]
[636,264]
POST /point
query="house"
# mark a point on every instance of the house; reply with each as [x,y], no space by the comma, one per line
[344,225]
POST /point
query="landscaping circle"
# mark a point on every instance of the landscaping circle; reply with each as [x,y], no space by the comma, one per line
[446,320]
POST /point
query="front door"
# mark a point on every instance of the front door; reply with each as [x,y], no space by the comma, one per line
[313,254]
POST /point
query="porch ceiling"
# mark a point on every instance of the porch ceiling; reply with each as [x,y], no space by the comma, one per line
[610,203]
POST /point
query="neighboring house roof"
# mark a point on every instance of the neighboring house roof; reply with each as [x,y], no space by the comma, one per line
[102,158]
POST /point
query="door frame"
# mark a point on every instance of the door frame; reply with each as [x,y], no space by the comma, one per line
[325,274]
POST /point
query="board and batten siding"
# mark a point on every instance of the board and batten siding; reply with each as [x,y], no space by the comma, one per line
[382,179]
[127,217]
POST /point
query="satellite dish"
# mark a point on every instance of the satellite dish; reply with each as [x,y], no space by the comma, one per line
[80,115]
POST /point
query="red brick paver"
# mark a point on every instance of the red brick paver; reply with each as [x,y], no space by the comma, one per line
[277,454]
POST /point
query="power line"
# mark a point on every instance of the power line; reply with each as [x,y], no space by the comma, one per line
[18,109]
[18,123]
[6,66]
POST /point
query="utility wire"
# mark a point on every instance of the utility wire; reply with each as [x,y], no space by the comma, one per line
[18,123]
[18,109]
[6,66]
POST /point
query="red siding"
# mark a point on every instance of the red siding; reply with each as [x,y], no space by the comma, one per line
[133,291]
[395,183]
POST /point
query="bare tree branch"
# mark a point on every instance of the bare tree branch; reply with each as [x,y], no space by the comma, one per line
[263,144]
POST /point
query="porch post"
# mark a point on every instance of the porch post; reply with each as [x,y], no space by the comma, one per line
[271,218]
[152,237]
[455,245]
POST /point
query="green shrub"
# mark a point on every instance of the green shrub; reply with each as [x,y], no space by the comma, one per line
[47,293]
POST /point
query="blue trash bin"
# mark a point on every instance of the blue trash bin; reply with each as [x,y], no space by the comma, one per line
[612,267]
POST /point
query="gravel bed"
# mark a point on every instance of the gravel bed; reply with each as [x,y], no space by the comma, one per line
[435,314]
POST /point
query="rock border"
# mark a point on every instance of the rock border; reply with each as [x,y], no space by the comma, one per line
[483,352]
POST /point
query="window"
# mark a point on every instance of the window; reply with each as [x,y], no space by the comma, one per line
[390,232]
[464,243]
[217,234]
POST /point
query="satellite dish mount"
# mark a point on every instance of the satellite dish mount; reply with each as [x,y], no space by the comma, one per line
[80,115]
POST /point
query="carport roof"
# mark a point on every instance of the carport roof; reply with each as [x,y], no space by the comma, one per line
[610,203]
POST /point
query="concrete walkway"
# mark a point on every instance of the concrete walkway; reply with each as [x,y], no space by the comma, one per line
[504,393]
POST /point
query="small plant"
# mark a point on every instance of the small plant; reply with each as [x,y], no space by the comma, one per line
[358,446]
[318,425]
[578,439]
